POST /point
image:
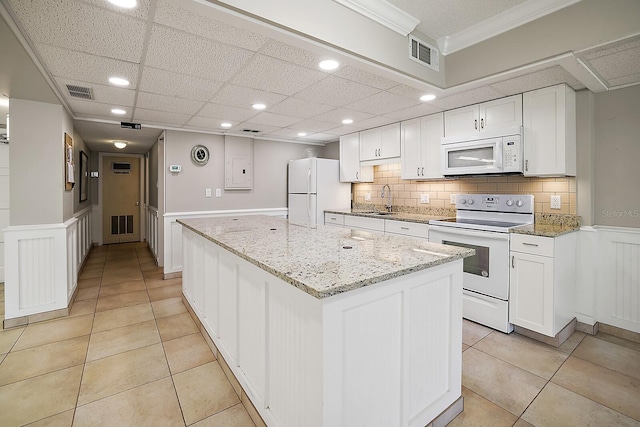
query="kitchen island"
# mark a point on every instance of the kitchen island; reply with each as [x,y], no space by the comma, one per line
[328,326]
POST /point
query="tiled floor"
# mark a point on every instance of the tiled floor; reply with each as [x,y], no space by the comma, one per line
[130,355]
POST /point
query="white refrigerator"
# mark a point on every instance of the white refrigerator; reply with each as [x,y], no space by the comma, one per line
[314,186]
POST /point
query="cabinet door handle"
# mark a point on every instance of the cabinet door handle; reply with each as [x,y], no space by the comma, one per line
[513,261]
[481,123]
[404,228]
[530,244]
[422,171]
[526,165]
[357,175]
[418,172]
[475,124]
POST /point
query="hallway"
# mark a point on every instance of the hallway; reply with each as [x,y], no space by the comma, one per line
[128,354]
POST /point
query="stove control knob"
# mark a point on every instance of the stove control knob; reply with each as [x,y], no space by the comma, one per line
[470,201]
[519,203]
[462,201]
[509,202]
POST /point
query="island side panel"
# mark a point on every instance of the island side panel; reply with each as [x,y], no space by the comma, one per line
[393,351]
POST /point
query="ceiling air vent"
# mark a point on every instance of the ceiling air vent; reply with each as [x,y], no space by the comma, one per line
[80,92]
[423,53]
[251,131]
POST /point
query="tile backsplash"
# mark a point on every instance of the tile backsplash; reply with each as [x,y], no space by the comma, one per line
[407,192]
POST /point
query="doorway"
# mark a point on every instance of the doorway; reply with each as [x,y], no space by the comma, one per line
[120,199]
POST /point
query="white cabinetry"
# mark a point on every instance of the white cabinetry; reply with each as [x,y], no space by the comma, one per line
[333,219]
[550,131]
[542,285]
[487,116]
[420,140]
[413,229]
[405,228]
[365,223]
[350,170]
[380,143]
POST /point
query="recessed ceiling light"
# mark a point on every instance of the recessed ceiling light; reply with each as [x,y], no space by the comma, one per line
[259,106]
[427,97]
[127,4]
[118,81]
[118,111]
[4,102]
[347,121]
[302,134]
[226,125]
[120,144]
[328,64]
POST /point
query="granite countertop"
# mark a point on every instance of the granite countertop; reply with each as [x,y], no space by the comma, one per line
[325,261]
[397,216]
[545,230]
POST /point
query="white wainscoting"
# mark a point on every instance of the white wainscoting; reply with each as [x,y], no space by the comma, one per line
[151,223]
[42,264]
[172,258]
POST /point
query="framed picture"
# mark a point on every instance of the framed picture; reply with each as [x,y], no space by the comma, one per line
[84,176]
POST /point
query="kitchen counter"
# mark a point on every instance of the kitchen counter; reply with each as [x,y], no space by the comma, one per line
[325,261]
[397,216]
[546,230]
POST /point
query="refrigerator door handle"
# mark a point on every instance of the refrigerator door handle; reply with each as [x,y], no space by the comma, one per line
[309,195]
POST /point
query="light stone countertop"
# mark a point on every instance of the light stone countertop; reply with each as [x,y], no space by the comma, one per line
[325,261]
[545,230]
[398,216]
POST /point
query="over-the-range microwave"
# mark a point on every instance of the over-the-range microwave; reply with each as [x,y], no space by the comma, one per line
[493,155]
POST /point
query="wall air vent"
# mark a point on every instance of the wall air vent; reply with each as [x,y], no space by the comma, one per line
[424,54]
[121,167]
[80,92]
[251,131]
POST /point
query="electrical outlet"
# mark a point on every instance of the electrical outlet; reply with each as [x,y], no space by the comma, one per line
[367,197]
[218,192]
[424,198]
[207,192]
[556,202]
[452,199]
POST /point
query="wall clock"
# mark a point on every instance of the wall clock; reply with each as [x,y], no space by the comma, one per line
[200,155]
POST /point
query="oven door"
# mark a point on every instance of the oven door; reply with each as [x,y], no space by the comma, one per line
[477,157]
[487,272]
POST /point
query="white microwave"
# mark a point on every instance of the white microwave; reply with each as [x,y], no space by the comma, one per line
[499,155]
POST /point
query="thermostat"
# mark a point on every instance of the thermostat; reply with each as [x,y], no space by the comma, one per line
[175,168]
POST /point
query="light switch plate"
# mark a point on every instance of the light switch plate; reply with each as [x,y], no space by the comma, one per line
[218,192]
[207,192]
[556,202]
[367,197]
[424,198]
[452,199]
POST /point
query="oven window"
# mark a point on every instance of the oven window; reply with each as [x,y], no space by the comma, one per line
[477,264]
[471,157]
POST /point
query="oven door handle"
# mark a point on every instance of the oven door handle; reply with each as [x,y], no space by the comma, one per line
[469,233]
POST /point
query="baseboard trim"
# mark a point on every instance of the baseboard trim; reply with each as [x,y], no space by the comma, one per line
[555,341]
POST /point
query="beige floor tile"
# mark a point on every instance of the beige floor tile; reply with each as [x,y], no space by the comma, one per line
[2,356]
[187,352]
[165,292]
[572,342]
[176,326]
[478,412]
[89,283]
[56,330]
[119,340]
[90,273]
[40,397]
[619,332]
[236,416]
[153,404]
[148,264]
[152,274]
[9,337]
[617,391]
[251,410]
[80,308]
[557,406]
[523,423]
[168,307]
[620,341]
[123,371]
[110,279]
[119,317]
[29,363]
[610,355]
[539,359]
[126,299]
[122,287]
[63,419]
[508,386]
[473,332]
[204,391]
[230,377]
[158,283]
[87,293]
[464,347]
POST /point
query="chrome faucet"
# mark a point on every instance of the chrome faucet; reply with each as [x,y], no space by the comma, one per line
[388,205]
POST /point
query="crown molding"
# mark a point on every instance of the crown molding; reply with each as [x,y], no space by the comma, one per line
[383,13]
[501,23]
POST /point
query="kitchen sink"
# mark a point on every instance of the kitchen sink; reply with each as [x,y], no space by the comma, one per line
[379,213]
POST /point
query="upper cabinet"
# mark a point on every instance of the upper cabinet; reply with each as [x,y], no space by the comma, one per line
[550,131]
[350,170]
[488,116]
[420,147]
[380,143]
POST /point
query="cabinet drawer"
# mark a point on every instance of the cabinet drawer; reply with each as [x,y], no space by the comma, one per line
[364,222]
[333,219]
[532,244]
[414,229]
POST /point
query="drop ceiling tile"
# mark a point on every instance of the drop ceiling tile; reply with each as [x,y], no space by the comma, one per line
[91,108]
[82,27]
[201,20]
[293,54]
[244,97]
[383,102]
[547,77]
[610,49]
[420,110]
[375,122]
[365,77]
[626,80]
[141,11]
[266,118]
[168,83]
[151,101]
[84,67]
[274,75]
[286,133]
[339,114]
[467,97]
[410,92]
[618,64]
[187,54]
[161,118]
[102,94]
[343,130]
[224,112]
[208,123]
[312,126]
[336,91]
[299,108]
[263,129]
[324,137]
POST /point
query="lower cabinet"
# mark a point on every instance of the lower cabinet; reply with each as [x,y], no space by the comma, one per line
[542,285]
[387,226]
